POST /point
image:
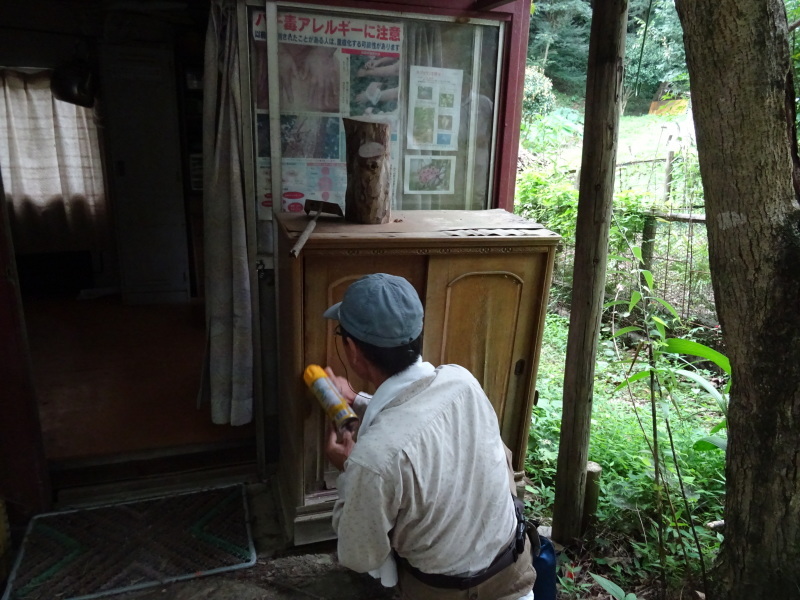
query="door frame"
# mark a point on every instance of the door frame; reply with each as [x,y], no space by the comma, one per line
[24,477]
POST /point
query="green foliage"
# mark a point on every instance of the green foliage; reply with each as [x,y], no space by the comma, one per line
[612,588]
[793,15]
[546,134]
[559,41]
[690,347]
[624,540]
[572,584]
[542,455]
[537,96]
[552,199]
[649,409]
[548,198]
[657,407]
[654,56]
[651,370]
[654,53]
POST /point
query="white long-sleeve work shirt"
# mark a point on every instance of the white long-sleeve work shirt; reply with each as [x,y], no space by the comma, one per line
[428,477]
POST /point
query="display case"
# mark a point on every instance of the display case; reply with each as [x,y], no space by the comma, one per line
[483,277]
[441,79]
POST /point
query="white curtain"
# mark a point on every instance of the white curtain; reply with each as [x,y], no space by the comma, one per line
[51,167]
[229,371]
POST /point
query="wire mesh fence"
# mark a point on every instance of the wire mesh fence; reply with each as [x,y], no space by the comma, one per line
[672,239]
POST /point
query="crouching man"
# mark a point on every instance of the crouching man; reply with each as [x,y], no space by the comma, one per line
[425,493]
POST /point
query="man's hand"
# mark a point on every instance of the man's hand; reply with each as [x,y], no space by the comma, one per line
[344,387]
[338,446]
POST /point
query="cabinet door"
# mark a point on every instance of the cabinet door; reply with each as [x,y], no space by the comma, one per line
[484,312]
[325,281]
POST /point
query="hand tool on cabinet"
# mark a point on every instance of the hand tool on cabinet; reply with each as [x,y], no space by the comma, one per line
[318,207]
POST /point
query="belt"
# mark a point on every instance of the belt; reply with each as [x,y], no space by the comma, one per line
[506,558]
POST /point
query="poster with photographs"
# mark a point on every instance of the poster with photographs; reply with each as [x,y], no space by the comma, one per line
[307,180]
[434,108]
[374,84]
[338,65]
[429,175]
[329,67]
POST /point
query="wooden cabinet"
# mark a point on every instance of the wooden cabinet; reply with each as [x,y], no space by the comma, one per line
[483,277]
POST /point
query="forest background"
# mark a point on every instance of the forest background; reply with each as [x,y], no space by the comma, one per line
[661,378]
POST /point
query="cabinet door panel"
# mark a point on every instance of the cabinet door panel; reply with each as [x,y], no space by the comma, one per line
[483,312]
[326,279]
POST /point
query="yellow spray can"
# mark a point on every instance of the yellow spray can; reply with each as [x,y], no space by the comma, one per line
[334,404]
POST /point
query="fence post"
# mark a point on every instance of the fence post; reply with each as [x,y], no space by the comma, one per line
[667,195]
[592,494]
[668,177]
[648,243]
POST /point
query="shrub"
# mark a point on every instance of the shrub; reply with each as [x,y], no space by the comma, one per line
[537,96]
[549,199]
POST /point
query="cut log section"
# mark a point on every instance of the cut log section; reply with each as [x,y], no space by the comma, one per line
[368,198]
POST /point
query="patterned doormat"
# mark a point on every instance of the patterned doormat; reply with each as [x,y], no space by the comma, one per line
[94,552]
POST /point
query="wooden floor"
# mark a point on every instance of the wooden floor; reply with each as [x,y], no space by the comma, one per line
[114,379]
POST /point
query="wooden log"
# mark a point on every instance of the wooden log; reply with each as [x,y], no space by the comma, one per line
[592,494]
[368,197]
[678,217]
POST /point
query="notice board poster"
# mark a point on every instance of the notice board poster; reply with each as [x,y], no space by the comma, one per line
[434,108]
[329,67]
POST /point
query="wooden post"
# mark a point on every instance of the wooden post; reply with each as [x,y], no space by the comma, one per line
[651,225]
[668,176]
[368,196]
[592,494]
[648,243]
[603,99]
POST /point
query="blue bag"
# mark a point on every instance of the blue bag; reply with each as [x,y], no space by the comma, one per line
[544,588]
[543,555]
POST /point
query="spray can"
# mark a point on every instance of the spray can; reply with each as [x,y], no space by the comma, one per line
[334,404]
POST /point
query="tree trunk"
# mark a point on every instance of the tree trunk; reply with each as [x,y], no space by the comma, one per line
[743,103]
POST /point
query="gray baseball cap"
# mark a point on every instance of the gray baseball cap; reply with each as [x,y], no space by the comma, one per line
[380,309]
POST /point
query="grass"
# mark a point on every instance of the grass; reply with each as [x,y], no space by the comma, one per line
[622,544]
[641,137]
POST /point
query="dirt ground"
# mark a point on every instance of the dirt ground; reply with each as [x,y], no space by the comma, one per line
[315,576]
[280,573]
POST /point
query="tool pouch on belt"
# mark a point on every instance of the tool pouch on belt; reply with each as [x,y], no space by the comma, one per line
[526,527]
[543,555]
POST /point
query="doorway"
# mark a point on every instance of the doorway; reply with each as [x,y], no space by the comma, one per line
[117,384]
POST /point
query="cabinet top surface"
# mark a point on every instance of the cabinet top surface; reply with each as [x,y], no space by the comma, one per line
[471,226]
